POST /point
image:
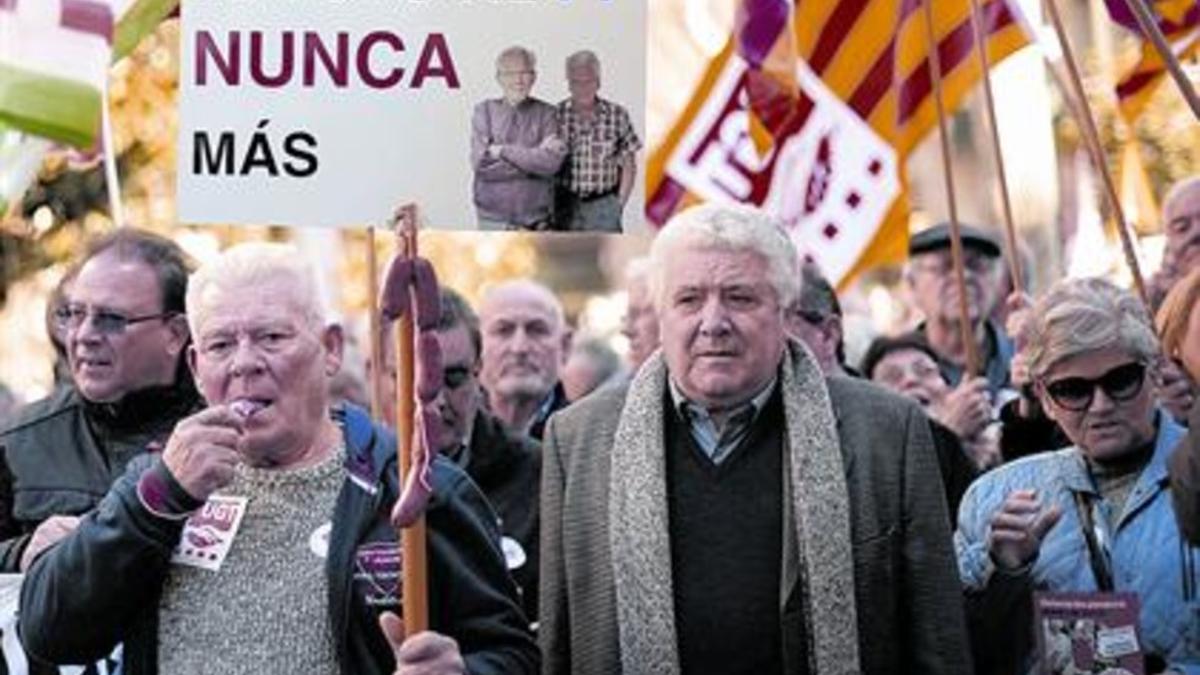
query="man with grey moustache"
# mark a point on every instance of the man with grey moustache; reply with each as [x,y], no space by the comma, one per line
[526,342]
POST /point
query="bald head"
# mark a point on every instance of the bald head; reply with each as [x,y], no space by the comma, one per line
[523,292]
[525,343]
[1181,219]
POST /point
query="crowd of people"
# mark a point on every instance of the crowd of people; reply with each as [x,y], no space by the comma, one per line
[735,498]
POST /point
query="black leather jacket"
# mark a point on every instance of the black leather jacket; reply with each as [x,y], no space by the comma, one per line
[102,584]
[62,454]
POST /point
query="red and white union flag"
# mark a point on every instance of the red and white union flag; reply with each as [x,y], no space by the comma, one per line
[830,183]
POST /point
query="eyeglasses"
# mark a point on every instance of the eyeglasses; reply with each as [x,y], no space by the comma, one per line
[895,373]
[942,265]
[108,322]
[454,377]
[1120,384]
[810,317]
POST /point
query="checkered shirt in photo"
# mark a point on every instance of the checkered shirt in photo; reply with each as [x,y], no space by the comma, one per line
[595,147]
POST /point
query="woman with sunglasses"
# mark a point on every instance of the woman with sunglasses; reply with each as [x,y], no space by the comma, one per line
[1094,516]
[1179,326]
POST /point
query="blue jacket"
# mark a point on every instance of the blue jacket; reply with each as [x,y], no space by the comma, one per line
[101,585]
[1147,553]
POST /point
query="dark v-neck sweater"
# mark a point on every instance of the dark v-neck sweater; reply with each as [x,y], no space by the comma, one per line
[726,525]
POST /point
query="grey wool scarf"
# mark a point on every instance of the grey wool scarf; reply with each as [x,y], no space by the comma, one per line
[818,514]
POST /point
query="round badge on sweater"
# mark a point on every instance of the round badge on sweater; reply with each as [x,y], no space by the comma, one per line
[318,541]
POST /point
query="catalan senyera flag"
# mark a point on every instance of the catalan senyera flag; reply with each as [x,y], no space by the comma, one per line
[811,110]
[1179,21]
[54,56]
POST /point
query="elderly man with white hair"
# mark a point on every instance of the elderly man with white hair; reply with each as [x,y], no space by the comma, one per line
[516,150]
[1181,224]
[731,510]
[1095,516]
[599,173]
[258,540]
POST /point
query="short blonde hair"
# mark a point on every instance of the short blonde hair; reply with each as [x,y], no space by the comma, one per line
[247,265]
[1079,316]
[1176,311]
[727,227]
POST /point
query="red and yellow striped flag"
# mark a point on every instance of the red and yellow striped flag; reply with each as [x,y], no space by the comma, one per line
[1179,21]
[824,149]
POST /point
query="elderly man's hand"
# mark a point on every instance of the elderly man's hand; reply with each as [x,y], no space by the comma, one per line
[1018,305]
[426,653]
[967,409]
[554,144]
[201,453]
[1018,528]
[1176,391]
[494,150]
[50,532]
[984,449]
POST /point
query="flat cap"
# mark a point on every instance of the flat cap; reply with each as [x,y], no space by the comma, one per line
[937,238]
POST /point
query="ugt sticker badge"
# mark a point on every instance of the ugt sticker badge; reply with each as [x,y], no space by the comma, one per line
[209,533]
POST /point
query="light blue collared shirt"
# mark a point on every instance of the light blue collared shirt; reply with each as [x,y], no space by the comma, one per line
[703,428]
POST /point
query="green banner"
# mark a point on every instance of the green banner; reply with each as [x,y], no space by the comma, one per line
[142,17]
[52,107]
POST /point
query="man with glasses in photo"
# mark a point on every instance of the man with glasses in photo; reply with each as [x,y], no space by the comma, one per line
[930,276]
[125,333]
[515,150]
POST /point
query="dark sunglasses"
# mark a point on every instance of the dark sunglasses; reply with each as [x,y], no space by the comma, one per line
[454,377]
[1120,384]
[810,317]
[70,317]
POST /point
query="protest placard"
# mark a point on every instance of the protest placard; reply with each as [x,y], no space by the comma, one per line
[332,113]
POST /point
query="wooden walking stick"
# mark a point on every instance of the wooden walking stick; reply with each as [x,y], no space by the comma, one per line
[972,366]
[1010,230]
[1150,29]
[412,538]
[1096,151]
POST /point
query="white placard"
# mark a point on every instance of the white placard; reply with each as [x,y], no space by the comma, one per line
[375,108]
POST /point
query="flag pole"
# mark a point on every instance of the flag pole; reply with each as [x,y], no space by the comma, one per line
[1010,230]
[111,179]
[1092,141]
[956,250]
[374,336]
[1152,32]
[412,538]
